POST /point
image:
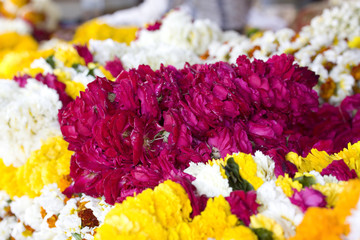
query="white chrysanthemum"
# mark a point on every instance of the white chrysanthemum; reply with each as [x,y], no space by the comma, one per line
[229,49]
[178,29]
[265,166]
[354,221]
[68,221]
[14,25]
[37,212]
[20,205]
[6,227]
[209,180]
[42,64]
[4,202]
[322,180]
[106,50]
[51,199]
[134,55]
[81,74]
[98,205]
[28,117]
[275,205]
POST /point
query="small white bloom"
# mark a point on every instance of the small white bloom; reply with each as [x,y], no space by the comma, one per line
[265,166]
[275,205]
[28,117]
[209,180]
[14,25]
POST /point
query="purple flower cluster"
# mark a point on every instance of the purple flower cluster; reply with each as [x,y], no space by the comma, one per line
[147,126]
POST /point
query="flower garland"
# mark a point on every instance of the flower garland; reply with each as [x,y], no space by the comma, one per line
[26,120]
[97,30]
[200,119]
[145,137]
[325,46]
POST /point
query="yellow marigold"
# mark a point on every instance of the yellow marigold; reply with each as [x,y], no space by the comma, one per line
[67,54]
[351,156]
[101,31]
[320,224]
[239,233]
[12,41]
[287,184]
[247,168]
[16,62]
[49,164]
[153,214]
[73,88]
[354,43]
[214,220]
[331,191]
[315,160]
[164,213]
[260,221]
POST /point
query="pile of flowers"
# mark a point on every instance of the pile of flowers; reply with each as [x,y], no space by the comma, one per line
[329,46]
[110,141]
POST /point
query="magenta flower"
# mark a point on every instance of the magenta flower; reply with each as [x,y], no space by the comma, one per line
[243,205]
[308,197]
[85,53]
[115,67]
[340,170]
[153,27]
[148,125]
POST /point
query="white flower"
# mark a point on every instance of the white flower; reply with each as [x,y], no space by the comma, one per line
[178,29]
[106,50]
[4,202]
[28,117]
[209,180]
[68,221]
[134,55]
[6,227]
[42,64]
[98,205]
[275,205]
[20,205]
[51,199]
[14,25]
[265,166]
[322,180]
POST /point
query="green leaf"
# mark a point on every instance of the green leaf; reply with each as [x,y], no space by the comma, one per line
[235,180]
[263,234]
[252,31]
[91,72]
[77,236]
[75,66]
[50,61]
[306,181]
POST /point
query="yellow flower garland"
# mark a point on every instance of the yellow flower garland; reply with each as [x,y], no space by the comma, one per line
[98,30]
[50,164]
